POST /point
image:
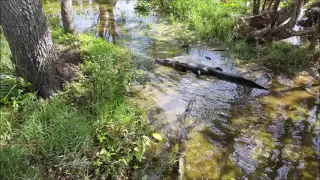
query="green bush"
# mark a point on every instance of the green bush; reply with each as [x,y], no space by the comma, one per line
[13,164]
[210,19]
[279,56]
[284,56]
[121,125]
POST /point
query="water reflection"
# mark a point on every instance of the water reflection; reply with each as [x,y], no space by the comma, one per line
[107,25]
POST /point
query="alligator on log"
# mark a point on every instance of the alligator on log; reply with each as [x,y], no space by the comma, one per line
[200,69]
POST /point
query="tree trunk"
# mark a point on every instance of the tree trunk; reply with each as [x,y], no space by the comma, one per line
[315,37]
[26,30]
[66,14]
[276,5]
[256,7]
[270,5]
[264,5]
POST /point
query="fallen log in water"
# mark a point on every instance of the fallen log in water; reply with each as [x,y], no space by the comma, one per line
[200,69]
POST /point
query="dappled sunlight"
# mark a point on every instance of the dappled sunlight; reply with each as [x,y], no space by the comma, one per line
[129,115]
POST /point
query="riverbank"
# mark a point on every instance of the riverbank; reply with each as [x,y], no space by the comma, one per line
[213,22]
[88,130]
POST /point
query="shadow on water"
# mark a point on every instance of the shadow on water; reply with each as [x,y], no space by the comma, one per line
[231,132]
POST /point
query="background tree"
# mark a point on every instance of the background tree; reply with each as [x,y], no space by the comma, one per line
[67,16]
[24,25]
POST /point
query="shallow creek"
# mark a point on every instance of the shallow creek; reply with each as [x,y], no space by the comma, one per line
[222,130]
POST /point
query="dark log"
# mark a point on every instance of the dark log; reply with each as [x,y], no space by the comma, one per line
[200,69]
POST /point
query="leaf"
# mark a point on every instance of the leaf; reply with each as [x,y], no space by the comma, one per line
[145,177]
[157,136]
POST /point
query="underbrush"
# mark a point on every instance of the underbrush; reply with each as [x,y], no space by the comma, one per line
[209,19]
[89,130]
[279,56]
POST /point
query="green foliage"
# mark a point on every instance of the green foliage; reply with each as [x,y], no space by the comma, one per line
[13,163]
[280,56]
[142,6]
[12,90]
[284,56]
[210,19]
[6,66]
[90,127]
[109,67]
[60,37]
[121,126]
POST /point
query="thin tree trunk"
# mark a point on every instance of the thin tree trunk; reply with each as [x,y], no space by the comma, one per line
[315,37]
[264,5]
[258,6]
[254,12]
[67,16]
[276,5]
[270,5]
[26,30]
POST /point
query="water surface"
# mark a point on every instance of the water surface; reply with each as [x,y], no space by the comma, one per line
[229,131]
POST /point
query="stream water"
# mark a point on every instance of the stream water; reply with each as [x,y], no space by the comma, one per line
[228,131]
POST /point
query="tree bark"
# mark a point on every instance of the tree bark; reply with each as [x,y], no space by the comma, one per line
[264,5]
[315,37]
[270,5]
[25,27]
[67,16]
[276,5]
[256,7]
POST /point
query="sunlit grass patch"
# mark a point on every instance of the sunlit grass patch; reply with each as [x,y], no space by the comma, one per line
[73,134]
[210,19]
[279,56]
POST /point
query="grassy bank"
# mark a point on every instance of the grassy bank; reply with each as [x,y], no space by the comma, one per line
[209,19]
[88,130]
[281,57]
[214,21]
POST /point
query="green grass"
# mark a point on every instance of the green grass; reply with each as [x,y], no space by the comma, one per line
[87,130]
[210,19]
[281,57]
